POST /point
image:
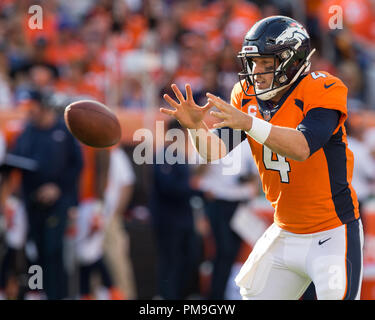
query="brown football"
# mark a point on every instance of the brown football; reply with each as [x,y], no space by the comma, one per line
[93,123]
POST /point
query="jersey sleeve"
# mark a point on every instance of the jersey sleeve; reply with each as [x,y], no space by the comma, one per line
[326,91]
[236,96]
[231,138]
[318,126]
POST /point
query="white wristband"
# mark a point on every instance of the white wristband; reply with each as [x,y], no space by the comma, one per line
[193,133]
[260,130]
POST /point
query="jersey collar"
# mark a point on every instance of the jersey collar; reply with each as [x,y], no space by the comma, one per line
[268,109]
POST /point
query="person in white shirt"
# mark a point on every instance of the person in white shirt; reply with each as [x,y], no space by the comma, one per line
[121,179]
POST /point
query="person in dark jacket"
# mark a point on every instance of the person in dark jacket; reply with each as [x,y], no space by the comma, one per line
[173,225]
[50,190]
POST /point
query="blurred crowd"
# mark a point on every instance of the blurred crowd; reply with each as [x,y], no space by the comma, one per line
[126,53]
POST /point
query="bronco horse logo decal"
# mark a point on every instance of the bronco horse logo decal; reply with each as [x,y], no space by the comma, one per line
[294,32]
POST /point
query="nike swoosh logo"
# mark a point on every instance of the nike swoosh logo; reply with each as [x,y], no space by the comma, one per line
[330,85]
[322,241]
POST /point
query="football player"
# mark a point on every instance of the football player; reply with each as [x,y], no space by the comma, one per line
[294,123]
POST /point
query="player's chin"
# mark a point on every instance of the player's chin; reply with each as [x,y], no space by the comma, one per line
[262,86]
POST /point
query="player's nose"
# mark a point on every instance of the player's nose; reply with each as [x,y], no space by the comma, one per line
[257,72]
[258,69]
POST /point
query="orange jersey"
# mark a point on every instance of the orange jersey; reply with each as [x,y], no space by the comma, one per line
[316,194]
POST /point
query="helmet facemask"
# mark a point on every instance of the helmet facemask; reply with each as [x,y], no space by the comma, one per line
[288,65]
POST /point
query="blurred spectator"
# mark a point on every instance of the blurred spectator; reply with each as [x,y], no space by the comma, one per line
[91,224]
[364,164]
[173,222]
[18,51]
[228,69]
[49,32]
[369,139]
[3,148]
[102,243]
[117,195]
[192,60]
[65,49]
[13,213]
[319,62]
[75,81]
[51,190]
[223,192]
[236,18]
[40,76]
[13,230]
[350,73]
[210,77]
[6,98]
[133,96]
[166,31]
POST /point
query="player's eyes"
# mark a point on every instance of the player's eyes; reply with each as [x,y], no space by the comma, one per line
[266,66]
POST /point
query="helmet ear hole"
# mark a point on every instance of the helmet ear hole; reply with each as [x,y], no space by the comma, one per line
[285,55]
[283,78]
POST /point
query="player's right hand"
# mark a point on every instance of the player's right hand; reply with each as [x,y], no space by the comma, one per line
[187,112]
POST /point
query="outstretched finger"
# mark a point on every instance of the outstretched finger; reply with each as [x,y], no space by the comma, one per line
[171,102]
[219,115]
[167,111]
[219,103]
[219,125]
[178,93]
[207,106]
[189,93]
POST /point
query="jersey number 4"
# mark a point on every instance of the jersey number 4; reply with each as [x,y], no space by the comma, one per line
[280,165]
[317,75]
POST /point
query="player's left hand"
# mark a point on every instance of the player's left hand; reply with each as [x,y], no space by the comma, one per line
[230,116]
